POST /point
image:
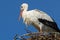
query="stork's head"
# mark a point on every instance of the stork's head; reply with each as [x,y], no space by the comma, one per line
[23,7]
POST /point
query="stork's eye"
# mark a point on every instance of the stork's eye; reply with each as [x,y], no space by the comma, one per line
[21,7]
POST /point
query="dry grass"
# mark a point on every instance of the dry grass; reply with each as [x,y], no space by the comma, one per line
[51,36]
[39,36]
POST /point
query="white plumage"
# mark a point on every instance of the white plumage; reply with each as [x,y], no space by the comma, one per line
[32,16]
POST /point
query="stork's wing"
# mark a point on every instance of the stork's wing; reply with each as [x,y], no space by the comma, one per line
[47,20]
[44,15]
[53,25]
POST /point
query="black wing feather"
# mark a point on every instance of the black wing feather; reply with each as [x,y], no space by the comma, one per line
[50,24]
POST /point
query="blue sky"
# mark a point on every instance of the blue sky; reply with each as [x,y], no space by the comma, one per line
[9,12]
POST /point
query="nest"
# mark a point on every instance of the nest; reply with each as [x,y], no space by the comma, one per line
[39,36]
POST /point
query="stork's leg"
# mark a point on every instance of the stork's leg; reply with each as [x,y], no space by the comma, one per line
[41,25]
[41,29]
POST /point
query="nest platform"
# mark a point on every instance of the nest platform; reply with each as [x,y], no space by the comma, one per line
[38,36]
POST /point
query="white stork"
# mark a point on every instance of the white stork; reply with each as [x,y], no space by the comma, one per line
[37,18]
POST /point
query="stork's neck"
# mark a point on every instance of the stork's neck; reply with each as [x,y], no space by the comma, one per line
[25,9]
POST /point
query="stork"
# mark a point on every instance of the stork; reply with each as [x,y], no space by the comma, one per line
[39,19]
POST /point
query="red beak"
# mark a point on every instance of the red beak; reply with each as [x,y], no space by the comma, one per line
[20,15]
[21,12]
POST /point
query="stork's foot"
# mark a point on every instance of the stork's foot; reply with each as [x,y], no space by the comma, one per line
[41,32]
